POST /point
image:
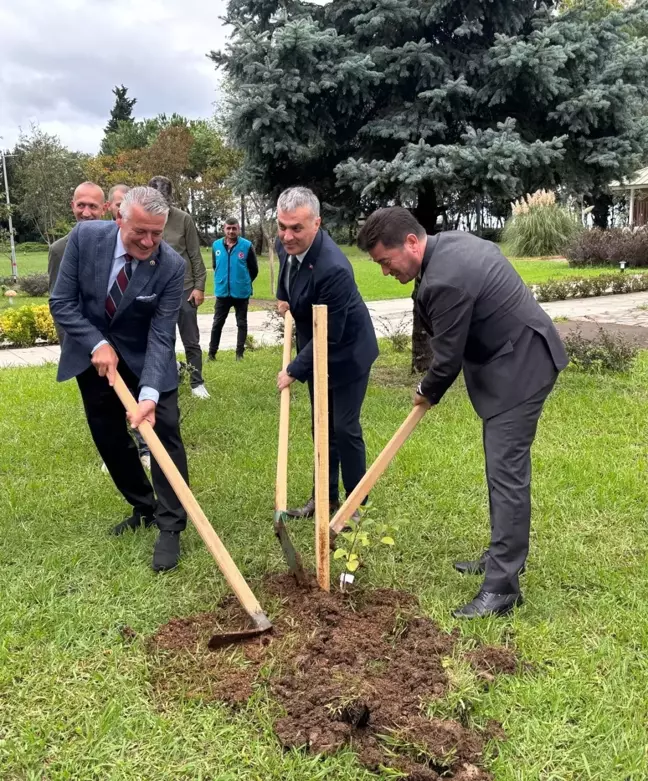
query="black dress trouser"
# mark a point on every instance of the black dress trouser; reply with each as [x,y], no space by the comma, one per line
[109,428]
[346,445]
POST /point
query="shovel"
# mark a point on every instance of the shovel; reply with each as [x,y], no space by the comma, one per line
[281,487]
[204,528]
[361,491]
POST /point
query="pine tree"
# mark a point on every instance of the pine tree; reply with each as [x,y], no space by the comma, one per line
[122,111]
[435,103]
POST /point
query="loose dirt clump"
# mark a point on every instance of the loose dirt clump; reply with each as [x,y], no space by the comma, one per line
[347,671]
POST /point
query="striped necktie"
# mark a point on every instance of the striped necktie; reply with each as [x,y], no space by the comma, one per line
[119,287]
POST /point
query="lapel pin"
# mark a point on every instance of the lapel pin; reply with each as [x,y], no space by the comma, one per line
[310,267]
[152,262]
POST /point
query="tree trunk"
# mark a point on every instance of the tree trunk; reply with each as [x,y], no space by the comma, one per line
[426,213]
[601,211]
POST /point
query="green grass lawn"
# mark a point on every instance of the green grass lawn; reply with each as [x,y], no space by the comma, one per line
[77,701]
[372,284]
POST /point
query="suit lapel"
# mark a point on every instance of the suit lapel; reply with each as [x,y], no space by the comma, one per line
[103,265]
[142,274]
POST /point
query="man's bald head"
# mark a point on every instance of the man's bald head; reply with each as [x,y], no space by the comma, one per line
[88,202]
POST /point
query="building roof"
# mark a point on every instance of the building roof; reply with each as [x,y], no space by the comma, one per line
[640,179]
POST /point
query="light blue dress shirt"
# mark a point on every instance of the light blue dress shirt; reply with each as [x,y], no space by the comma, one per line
[119,261]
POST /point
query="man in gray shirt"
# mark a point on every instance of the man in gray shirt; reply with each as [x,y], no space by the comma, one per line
[181,234]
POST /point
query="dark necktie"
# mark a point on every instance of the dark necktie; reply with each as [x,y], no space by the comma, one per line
[119,287]
[294,268]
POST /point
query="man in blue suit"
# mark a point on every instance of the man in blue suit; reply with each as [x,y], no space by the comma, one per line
[313,270]
[117,298]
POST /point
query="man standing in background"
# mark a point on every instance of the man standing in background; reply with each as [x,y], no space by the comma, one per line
[181,234]
[115,197]
[235,269]
[88,203]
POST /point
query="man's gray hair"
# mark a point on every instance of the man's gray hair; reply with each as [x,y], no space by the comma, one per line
[294,197]
[152,201]
[118,188]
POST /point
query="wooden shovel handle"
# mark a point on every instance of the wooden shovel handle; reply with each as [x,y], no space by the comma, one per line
[203,526]
[281,486]
[356,497]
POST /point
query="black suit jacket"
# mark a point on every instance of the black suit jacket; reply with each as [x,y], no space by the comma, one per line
[326,277]
[482,317]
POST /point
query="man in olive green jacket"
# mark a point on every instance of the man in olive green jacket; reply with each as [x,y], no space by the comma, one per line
[180,232]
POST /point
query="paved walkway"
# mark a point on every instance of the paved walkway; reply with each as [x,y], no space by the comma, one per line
[387,316]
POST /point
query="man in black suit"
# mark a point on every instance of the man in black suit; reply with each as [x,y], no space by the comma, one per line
[481,317]
[117,297]
[313,270]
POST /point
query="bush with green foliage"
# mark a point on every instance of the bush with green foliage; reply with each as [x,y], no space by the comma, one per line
[24,325]
[586,287]
[32,246]
[36,285]
[605,352]
[492,234]
[539,226]
[598,247]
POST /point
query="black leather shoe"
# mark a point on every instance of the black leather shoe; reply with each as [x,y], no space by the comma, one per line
[239,356]
[133,523]
[211,356]
[166,552]
[488,604]
[308,510]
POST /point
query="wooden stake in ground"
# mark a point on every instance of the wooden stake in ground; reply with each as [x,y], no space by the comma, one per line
[320,413]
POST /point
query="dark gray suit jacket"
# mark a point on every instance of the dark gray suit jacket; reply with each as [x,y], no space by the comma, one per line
[143,328]
[54,259]
[484,319]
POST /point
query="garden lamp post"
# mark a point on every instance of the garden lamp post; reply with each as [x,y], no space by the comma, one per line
[622,265]
[14,265]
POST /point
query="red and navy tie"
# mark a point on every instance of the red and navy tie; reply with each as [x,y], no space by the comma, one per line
[119,287]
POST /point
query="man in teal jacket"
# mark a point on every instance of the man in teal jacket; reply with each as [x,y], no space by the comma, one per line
[235,266]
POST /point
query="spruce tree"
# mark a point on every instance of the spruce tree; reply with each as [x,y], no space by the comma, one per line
[122,111]
[435,103]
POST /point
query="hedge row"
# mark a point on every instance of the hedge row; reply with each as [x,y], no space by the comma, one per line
[25,325]
[586,287]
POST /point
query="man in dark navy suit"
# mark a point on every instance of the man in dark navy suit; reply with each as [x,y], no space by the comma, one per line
[313,270]
[117,298]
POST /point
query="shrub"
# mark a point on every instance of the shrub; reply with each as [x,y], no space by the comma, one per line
[605,352]
[36,285]
[539,226]
[598,247]
[44,324]
[24,325]
[32,246]
[19,326]
[585,287]
[492,234]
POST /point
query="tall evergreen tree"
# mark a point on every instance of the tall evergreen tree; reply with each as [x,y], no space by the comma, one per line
[122,111]
[422,102]
[430,103]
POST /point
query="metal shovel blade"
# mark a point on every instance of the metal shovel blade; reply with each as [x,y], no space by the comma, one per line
[262,625]
[293,559]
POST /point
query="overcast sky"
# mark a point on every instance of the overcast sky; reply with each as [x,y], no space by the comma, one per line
[60,59]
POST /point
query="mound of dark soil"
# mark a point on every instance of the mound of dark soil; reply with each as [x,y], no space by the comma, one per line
[347,672]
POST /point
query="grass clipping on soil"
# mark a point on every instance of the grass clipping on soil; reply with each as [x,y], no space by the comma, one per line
[347,672]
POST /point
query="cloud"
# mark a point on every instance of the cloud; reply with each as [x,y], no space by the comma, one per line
[61,59]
